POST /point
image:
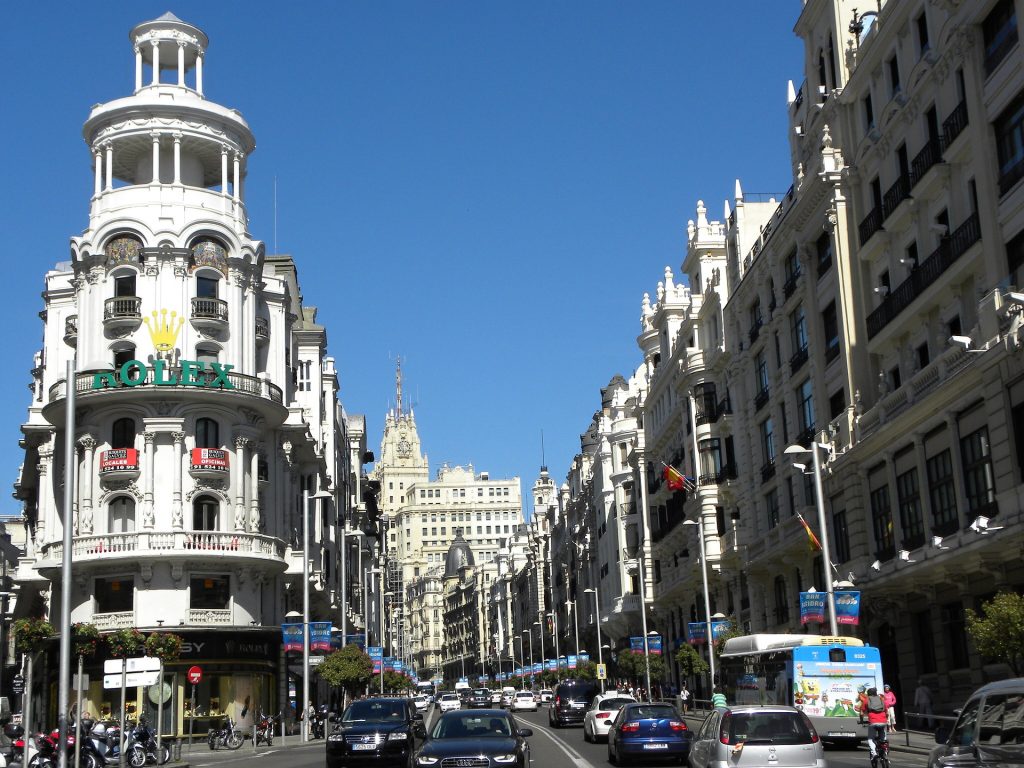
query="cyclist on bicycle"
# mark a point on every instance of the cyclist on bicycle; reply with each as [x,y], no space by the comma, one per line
[876,722]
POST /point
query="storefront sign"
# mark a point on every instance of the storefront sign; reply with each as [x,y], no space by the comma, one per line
[211,458]
[812,607]
[192,373]
[217,645]
[119,459]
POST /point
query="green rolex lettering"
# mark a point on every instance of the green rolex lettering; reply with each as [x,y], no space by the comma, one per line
[159,369]
[190,370]
[104,379]
[221,379]
[126,373]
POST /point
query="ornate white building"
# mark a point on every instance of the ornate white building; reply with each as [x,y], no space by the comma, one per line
[204,404]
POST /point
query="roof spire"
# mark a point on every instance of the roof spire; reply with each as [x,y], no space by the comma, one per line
[398,385]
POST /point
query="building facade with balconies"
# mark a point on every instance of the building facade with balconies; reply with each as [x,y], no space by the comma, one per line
[205,404]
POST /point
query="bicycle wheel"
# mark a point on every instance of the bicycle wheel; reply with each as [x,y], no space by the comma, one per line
[235,740]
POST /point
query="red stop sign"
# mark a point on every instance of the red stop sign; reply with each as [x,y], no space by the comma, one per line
[195,674]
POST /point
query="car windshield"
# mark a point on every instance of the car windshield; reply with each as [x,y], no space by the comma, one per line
[614,704]
[651,712]
[524,695]
[462,725]
[374,712]
[449,697]
[765,728]
[481,692]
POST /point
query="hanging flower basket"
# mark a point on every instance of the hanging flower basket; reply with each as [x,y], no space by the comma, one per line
[165,646]
[85,638]
[125,642]
[30,635]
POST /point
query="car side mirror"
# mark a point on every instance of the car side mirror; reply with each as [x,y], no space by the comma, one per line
[524,732]
[418,716]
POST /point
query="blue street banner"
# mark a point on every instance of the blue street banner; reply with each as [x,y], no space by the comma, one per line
[291,637]
[697,631]
[583,658]
[654,645]
[847,607]
[572,661]
[812,607]
[484,679]
[636,644]
[319,636]
[376,654]
[561,662]
[551,664]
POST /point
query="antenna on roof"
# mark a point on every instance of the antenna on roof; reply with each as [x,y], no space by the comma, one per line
[275,215]
[543,460]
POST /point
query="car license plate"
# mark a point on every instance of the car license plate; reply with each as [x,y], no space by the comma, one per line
[577,705]
[845,734]
[655,746]
[362,747]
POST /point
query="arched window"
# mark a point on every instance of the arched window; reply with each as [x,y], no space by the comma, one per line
[123,355]
[122,433]
[207,354]
[122,515]
[205,510]
[207,433]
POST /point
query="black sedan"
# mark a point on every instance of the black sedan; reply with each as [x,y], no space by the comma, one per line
[374,732]
[482,738]
[480,698]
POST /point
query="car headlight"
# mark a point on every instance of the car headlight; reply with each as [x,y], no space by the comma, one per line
[507,758]
[335,737]
[426,760]
[397,736]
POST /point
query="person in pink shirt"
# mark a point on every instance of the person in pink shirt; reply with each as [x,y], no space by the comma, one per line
[890,708]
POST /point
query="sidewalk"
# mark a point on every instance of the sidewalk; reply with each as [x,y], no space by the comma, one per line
[201,755]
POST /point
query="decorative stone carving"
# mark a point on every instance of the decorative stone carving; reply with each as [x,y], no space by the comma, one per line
[205,485]
[114,487]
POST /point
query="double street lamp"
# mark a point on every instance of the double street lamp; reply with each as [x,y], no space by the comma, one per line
[597,623]
[305,602]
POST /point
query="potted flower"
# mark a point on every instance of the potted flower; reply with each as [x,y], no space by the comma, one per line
[165,646]
[85,638]
[30,635]
[123,643]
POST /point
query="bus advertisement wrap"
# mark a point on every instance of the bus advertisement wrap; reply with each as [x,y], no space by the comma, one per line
[823,688]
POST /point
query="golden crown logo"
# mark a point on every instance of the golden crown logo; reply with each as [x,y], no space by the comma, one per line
[164,333]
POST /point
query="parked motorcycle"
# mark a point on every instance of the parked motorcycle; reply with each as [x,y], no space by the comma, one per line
[47,755]
[13,744]
[143,749]
[228,736]
[265,727]
[319,722]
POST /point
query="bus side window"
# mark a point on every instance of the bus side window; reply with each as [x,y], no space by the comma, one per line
[963,731]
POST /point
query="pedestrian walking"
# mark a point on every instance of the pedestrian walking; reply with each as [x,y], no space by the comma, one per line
[718,699]
[890,708]
[923,704]
[684,698]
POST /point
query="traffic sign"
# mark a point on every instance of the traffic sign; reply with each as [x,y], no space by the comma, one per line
[195,674]
[18,684]
[138,664]
[131,679]
[80,685]
[315,660]
[602,671]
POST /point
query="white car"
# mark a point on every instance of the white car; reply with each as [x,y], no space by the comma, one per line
[524,701]
[496,697]
[601,714]
[449,702]
[507,694]
[421,702]
[546,695]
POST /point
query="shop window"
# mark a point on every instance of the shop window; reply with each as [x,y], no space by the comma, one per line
[924,640]
[210,592]
[115,594]
[781,602]
[122,433]
[205,512]
[122,515]
[956,635]
[207,433]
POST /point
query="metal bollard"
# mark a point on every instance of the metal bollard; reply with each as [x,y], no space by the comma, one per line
[254,737]
[176,750]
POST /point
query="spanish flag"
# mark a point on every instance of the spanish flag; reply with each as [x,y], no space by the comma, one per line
[815,544]
[676,480]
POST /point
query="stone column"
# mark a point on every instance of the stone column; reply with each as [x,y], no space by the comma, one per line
[97,186]
[109,147]
[88,444]
[238,477]
[224,171]
[147,503]
[138,67]
[156,156]
[181,63]
[177,157]
[176,516]
[156,62]
[254,490]
[44,495]
[199,73]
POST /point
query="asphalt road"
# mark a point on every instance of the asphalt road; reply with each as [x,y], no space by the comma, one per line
[549,748]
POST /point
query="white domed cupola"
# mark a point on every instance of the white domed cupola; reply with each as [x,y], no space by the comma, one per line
[169,44]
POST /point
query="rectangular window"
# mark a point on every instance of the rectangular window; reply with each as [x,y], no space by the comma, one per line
[881,523]
[909,498]
[999,33]
[1009,130]
[771,505]
[921,23]
[836,403]
[762,372]
[767,441]
[942,493]
[869,113]
[798,330]
[830,324]
[893,66]
[206,287]
[956,635]
[805,401]
[841,534]
[115,595]
[824,249]
[124,285]
[210,592]
[978,482]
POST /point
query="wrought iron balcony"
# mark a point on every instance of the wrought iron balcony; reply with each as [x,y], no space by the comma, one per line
[755,329]
[797,361]
[761,399]
[954,125]
[869,225]
[895,195]
[790,285]
[204,309]
[929,155]
[942,258]
[262,330]
[768,471]
[122,312]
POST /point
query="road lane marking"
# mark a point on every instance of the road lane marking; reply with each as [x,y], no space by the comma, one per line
[571,753]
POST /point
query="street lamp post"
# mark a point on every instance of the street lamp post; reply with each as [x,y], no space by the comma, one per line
[305,602]
[825,548]
[529,635]
[597,623]
[640,561]
[558,653]
[707,599]
[540,631]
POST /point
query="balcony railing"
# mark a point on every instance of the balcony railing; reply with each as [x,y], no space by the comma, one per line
[929,155]
[755,329]
[188,544]
[122,307]
[895,195]
[942,258]
[262,329]
[209,616]
[768,471]
[806,436]
[796,362]
[209,309]
[724,408]
[248,385]
[869,225]
[114,620]
[789,286]
[727,472]
[761,399]
[953,125]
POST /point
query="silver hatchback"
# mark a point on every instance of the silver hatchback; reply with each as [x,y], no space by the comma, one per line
[753,736]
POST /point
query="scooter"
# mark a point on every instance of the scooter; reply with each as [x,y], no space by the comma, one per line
[228,736]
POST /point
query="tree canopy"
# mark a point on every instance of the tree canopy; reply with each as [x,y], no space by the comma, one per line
[998,631]
[348,668]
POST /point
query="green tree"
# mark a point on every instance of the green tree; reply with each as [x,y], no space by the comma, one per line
[998,632]
[691,665]
[632,666]
[348,668]
[732,630]
[395,682]
[585,671]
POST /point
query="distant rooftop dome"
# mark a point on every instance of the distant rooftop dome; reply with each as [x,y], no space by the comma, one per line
[459,556]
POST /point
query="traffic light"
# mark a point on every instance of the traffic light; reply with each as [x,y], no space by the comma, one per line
[370,499]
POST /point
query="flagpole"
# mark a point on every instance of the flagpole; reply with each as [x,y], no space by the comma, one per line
[700,533]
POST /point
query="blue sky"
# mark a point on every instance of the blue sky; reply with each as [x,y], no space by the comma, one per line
[484,188]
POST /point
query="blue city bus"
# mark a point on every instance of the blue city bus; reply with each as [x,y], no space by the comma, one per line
[822,676]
